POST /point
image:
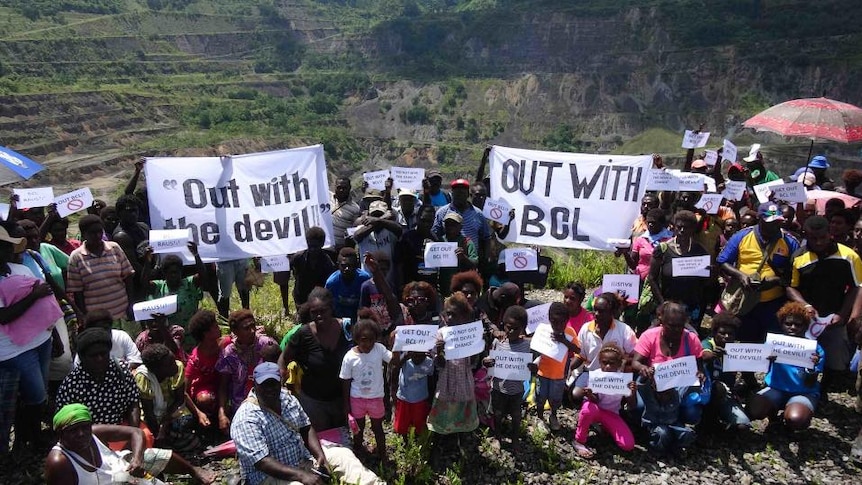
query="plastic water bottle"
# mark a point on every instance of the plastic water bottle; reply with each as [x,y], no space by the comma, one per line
[126,477]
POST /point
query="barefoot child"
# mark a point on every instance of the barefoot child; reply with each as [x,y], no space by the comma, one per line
[411,404]
[552,373]
[724,407]
[605,409]
[508,395]
[362,377]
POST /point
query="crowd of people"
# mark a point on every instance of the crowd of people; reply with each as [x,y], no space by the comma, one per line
[133,398]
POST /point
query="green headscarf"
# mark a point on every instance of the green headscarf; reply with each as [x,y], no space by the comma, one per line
[71,414]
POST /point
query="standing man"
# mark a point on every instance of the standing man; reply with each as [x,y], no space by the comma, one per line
[375,232]
[433,194]
[407,210]
[346,283]
[474,226]
[826,279]
[344,211]
[130,231]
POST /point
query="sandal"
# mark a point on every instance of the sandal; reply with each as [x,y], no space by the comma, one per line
[584,451]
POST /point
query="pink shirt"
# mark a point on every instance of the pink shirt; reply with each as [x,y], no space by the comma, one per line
[578,321]
[650,347]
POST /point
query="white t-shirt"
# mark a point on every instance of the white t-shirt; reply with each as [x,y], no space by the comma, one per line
[123,348]
[366,370]
[620,334]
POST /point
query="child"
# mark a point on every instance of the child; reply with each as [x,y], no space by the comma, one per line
[162,385]
[508,395]
[605,409]
[411,404]
[793,388]
[552,373]
[723,407]
[362,375]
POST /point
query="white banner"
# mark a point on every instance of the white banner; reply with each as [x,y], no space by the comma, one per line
[170,241]
[565,199]
[729,151]
[543,342]
[416,338]
[610,383]
[497,210]
[73,202]
[746,357]
[691,266]
[407,178]
[536,316]
[710,203]
[521,259]
[145,309]
[628,284]
[734,190]
[376,179]
[29,198]
[274,264]
[511,365]
[463,340]
[681,372]
[694,140]
[792,350]
[441,255]
[245,205]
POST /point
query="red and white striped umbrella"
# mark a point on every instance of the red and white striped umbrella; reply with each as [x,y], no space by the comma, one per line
[811,118]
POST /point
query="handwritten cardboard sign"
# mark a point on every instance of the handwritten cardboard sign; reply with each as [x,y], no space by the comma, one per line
[691,266]
[415,338]
[660,179]
[818,325]
[441,255]
[522,259]
[711,158]
[497,210]
[628,284]
[690,182]
[511,365]
[746,357]
[734,190]
[74,201]
[376,179]
[793,192]
[407,178]
[674,373]
[694,140]
[710,203]
[29,198]
[764,192]
[274,264]
[729,151]
[463,340]
[543,342]
[145,309]
[610,383]
[792,350]
[169,240]
[4,211]
[536,316]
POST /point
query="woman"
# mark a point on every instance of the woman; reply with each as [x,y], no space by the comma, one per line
[573,298]
[639,256]
[319,348]
[688,290]
[28,316]
[470,284]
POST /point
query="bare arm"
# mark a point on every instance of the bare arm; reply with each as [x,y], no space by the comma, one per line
[133,182]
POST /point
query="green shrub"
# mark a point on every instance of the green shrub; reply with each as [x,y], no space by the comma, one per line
[584,266]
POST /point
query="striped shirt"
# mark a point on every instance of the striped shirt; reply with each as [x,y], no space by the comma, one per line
[101,278]
[344,215]
[475,227]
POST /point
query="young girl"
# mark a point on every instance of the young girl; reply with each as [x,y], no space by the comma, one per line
[791,388]
[411,404]
[605,409]
[362,377]
[724,407]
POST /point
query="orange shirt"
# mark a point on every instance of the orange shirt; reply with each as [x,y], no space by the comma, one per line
[553,369]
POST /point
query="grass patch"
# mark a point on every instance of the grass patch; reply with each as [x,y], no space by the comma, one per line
[583,266]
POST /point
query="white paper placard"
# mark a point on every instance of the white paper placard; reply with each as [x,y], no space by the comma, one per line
[169,240]
[74,201]
[4,211]
[351,231]
[710,203]
[711,158]
[274,264]
[415,338]
[793,193]
[511,365]
[729,151]
[746,357]
[376,179]
[463,340]
[34,197]
[522,259]
[818,325]
[625,283]
[690,182]
[610,383]
[792,350]
[536,316]
[662,180]
[763,191]
[543,342]
[691,266]
[694,140]
[441,255]
[497,210]
[407,178]
[734,190]
[145,309]
[674,373]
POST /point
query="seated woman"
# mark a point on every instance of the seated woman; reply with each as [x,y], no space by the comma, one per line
[161,382]
[202,379]
[81,456]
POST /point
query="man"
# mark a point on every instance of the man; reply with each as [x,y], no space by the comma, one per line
[99,273]
[432,194]
[276,444]
[826,279]
[232,273]
[648,202]
[474,225]
[376,232]
[104,385]
[466,252]
[345,284]
[344,211]
[130,232]
[407,210]
[757,173]
[818,166]
[410,260]
[311,267]
[81,455]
